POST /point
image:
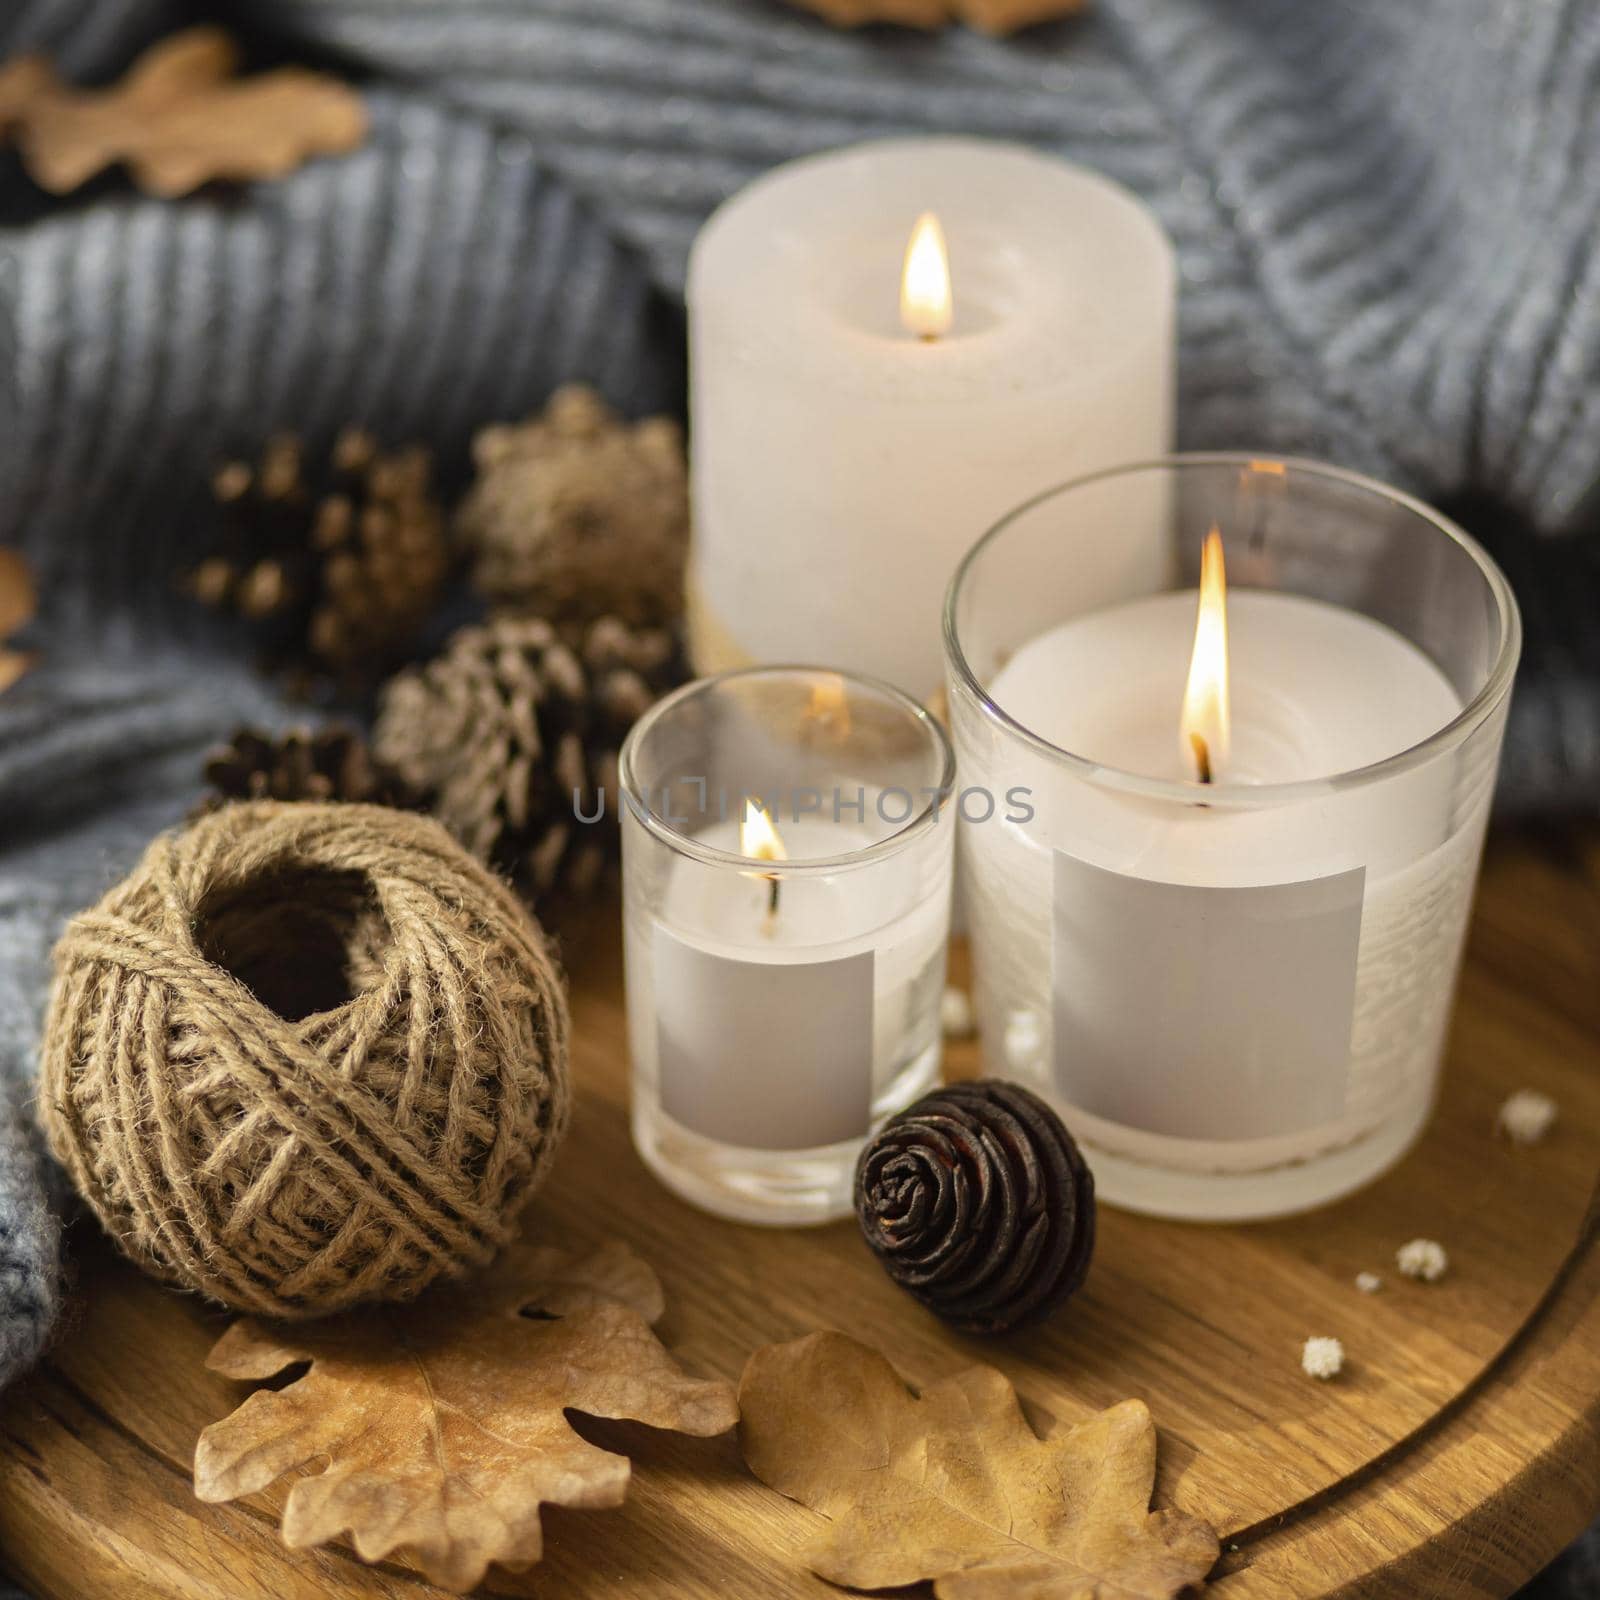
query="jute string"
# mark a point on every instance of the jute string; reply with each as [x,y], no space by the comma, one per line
[306,1056]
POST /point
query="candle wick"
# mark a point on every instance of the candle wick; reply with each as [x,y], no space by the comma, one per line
[1202,756]
[772,896]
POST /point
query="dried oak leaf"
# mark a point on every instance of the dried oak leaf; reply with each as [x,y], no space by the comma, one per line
[953,1484]
[987,16]
[178,118]
[18,602]
[23,80]
[442,1422]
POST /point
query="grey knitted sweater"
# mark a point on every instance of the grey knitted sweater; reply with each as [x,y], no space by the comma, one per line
[1384,216]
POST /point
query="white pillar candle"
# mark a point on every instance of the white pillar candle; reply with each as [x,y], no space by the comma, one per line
[843,458]
[1237,991]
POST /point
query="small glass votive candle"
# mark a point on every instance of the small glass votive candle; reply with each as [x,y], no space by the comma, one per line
[786,891]
[1221,920]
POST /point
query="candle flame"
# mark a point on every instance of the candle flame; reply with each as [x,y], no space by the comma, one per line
[758,838]
[926,306]
[828,708]
[1205,723]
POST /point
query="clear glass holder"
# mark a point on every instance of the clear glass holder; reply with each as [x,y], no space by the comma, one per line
[783,992]
[1236,992]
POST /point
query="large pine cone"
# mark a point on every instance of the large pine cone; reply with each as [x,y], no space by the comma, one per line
[577,514]
[978,1203]
[337,563]
[509,723]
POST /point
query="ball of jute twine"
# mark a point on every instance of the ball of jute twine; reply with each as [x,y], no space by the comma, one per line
[305,1056]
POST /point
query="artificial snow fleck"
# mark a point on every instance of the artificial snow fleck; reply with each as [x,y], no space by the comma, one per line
[955,1014]
[1024,1040]
[1422,1258]
[1527,1116]
[1322,1358]
[1368,1282]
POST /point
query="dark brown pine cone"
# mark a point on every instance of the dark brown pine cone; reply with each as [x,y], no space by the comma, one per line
[337,564]
[331,763]
[978,1203]
[502,729]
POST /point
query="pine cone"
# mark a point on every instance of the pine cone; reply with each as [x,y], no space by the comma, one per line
[340,571]
[978,1203]
[509,724]
[328,764]
[577,514]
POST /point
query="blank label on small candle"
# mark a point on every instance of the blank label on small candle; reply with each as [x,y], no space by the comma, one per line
[764,1055]
[1204,1013]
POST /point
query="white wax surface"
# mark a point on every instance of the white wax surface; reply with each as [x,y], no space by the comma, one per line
[841,466]
[1317,690]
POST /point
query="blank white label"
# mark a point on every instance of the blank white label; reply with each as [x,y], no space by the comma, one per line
[1204,1013]
[762,1055]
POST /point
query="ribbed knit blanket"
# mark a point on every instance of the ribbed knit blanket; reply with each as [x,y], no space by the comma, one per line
[1385,216]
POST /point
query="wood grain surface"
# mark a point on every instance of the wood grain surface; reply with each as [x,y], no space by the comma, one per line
[1457,1454]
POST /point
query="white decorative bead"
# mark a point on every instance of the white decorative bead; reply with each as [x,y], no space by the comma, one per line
[1024,1041]
[1422,1258]
[955,1014]
[1527,1116]
[1322,1358]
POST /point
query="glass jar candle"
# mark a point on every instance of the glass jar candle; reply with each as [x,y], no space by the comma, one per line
[1222,929]
[786,886]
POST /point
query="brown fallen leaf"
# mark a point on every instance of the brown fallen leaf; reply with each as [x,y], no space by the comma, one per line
[23,79]
[441,1423]
[987,16]
[953,1484]
[178,118]
[19,599]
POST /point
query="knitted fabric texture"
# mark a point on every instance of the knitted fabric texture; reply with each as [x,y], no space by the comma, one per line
[306,1056]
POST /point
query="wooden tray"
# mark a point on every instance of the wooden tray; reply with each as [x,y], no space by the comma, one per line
[1459,1452]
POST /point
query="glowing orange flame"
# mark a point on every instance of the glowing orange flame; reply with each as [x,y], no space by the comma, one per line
[828,707]
[1205,723]
[926,305]
[758,838]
